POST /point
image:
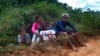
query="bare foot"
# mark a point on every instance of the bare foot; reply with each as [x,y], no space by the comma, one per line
[74,49]
[82,44]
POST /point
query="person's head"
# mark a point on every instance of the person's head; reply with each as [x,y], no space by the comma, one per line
[65,17]
[38,18]
[22,31]
[52,24]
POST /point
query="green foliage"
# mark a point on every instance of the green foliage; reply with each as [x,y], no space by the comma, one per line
[49,11]
[16,13]
[14,17]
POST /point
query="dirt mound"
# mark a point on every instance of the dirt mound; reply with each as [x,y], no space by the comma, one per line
[48,49]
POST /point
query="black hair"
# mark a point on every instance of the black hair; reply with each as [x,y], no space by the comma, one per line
[37,17]
[21,28]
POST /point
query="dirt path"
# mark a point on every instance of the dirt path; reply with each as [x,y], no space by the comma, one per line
[92,49]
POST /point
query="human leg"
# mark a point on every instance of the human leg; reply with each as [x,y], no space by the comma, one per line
[64,34]
[76,35]
[69,41]
[34,38]
[44,34]
[51,34]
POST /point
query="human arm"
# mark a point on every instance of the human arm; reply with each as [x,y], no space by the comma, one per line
[20,39]
[62,28]
[35,29]
[72,26]
[28,39]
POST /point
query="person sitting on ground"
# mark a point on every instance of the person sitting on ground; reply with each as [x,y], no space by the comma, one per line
[62,30]
[36,28]
[52,30]
[49,34]
[23,37]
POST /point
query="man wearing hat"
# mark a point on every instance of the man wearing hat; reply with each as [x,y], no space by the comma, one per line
[62,30]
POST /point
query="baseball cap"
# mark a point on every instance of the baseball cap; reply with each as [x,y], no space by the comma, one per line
[65,14]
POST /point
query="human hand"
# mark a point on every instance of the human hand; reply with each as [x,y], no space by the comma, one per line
[75,34]
[39,35]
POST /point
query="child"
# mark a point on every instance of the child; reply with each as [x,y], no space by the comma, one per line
[23,37]
[36,28]
[52,30]
[50,33]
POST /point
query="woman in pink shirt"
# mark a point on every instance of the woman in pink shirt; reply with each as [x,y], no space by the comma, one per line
[39,30]
[36,27]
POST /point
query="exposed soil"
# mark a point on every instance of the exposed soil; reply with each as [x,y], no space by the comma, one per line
[92,49]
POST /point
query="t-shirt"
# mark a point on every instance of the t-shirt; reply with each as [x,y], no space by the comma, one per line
[61,26]
[35,27]
[27,38]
